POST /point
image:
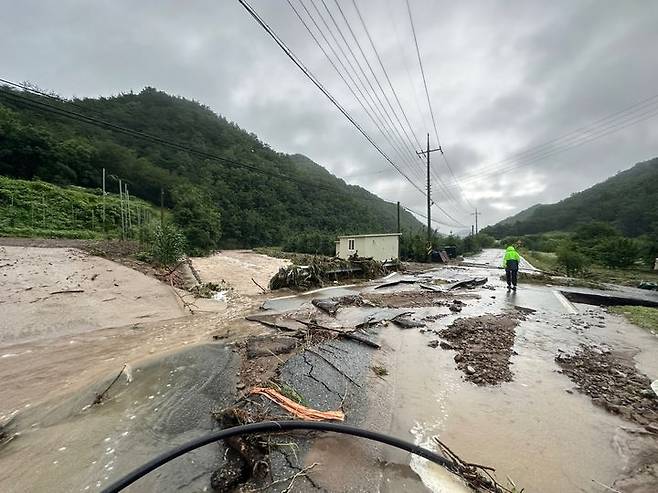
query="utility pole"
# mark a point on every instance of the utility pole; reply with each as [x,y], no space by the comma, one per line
[398,217]
[476,214]
[429,200]
[472,230]
[161,207]
[104,228]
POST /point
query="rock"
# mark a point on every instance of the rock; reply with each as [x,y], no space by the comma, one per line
[446,345]
[240,386]
[470,370]
[433,344]
[455,308]
[652,427]
[654,387]
[458,358]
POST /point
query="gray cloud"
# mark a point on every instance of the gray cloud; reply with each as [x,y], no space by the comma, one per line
[503,76]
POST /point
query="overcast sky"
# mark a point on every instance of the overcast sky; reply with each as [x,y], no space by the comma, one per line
[503,76]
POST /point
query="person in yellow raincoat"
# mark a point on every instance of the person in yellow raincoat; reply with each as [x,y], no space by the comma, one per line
[511,262]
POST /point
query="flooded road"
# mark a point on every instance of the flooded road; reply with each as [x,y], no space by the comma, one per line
[536,430]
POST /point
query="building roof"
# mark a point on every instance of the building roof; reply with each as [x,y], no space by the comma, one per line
[369,236]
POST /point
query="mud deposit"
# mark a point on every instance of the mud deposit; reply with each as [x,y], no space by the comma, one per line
[484,346]
[613,383]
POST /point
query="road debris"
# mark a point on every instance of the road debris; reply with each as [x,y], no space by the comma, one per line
[468,283]
[99,397]
[302,412]
[480,478]
[331,305]
[484,346]
[612,382]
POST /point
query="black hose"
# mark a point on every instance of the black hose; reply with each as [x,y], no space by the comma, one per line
[269,427]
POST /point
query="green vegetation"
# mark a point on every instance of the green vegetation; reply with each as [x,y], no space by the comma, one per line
[595,251]
[642,316]
[413,246]
[36,208]
[168,245]
[214,203]
[628,202]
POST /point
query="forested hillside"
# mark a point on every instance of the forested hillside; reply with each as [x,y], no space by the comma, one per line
[215,202]
[627,201]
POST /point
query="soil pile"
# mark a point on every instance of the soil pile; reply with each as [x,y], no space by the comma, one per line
[613,384]
[484,346]
[410,299]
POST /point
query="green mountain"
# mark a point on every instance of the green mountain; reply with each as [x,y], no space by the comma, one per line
[628,201]
[216,202]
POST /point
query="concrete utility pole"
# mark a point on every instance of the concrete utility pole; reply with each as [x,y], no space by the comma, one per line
[161,206]
[429,200]
[472,230]
[398,217]
[476,214]
[104,228]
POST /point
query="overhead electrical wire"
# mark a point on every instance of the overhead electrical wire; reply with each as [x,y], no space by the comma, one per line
[427,94]
[397,99]
[612,126]
[320,86]
[365,58]
[589,128]
[363,101]
[411,157]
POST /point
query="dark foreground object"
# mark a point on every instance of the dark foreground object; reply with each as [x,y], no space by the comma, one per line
[273,427]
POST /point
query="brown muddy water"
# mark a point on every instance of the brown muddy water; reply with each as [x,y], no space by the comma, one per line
[531,429]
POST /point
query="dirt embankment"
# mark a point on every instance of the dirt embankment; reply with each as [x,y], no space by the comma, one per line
[613,383]
[484,346]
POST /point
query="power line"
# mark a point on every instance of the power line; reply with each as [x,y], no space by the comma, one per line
[573,134]
[377,118]
[408,145]
[574,143]
[395,95]
[429,102]
[316,82]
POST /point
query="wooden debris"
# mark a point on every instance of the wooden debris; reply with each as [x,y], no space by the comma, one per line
[480,478]
[261,287]
[99,397]
[66,291]
[302,412]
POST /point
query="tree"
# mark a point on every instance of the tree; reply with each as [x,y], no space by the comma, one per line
[619,252]
[197,217]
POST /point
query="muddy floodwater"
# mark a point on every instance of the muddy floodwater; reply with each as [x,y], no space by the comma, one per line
[537,430]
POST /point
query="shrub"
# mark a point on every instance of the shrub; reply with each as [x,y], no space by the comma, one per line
[168,245]
[570,260]
[618,252]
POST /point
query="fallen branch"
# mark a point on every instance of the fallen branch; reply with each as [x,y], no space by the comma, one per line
[341,333]
[69,291]
[290,478]
[302,412]
[334,366]
[261,287]
[101,396]
[476,476]
[271,325]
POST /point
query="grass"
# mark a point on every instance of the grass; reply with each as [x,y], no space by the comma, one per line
[642,316]
[546,262]
[595,274]
[40,209]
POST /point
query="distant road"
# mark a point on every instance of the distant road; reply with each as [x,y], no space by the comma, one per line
[493,257]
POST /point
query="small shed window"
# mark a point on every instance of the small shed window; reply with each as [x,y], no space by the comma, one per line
[350,244]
